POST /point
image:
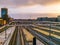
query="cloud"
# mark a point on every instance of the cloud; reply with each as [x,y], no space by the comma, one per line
[32,15]
[46,1]
[30,6]
[13,2]
[36,9]
[25,2]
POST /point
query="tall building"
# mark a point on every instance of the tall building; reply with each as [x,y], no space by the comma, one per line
[58,18]
[4,13]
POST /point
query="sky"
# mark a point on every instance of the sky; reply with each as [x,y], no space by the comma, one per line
[25,9]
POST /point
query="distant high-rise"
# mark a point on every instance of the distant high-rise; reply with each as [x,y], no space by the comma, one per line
[4,13]
[58,18]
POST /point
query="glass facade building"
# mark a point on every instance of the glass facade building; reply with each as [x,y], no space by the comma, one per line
[4,12]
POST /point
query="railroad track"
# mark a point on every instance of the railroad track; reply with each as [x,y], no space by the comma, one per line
[13,39]
[55,40]
[18,37]
[40,37]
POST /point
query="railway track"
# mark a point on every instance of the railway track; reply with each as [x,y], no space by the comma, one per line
[55,40]
[40,37]
[13,39]
[18,37]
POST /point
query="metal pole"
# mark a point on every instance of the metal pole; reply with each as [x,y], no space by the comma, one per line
[34,41]
[50,32]
[5,34]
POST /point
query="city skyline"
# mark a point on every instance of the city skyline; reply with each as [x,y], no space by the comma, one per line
[28,7]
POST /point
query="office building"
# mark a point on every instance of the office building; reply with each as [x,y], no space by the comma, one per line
[4,13]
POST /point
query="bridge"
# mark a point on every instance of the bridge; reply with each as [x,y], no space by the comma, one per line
[31,33]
